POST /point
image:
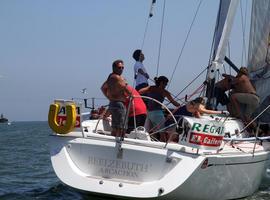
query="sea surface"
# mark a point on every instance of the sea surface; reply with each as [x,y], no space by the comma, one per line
[26,171]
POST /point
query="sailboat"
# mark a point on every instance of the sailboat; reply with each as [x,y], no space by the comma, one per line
[211,160]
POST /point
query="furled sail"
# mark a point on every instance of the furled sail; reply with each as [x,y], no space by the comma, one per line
[259,52]
[225,18]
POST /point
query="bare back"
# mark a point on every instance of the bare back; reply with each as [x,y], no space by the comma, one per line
[242,84]
[116,88]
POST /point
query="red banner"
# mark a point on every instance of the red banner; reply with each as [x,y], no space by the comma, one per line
[205,139]
[62,120]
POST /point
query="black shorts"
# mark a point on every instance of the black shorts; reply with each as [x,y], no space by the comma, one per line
[140,120]
[118,111]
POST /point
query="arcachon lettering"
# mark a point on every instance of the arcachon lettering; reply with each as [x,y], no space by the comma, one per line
[117,164]
[118,172]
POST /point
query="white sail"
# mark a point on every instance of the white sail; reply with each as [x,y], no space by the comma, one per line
[259,47]
[227,10]
[224,23]
[259,55]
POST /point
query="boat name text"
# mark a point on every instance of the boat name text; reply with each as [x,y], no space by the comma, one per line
[118,167]
[206,128]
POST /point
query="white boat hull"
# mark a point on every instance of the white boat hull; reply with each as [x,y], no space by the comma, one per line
[147,170]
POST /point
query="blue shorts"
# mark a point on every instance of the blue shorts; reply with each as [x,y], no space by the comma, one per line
[157,118]
[118,111]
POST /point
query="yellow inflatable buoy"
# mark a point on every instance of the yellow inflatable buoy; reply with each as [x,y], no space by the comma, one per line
[70,119]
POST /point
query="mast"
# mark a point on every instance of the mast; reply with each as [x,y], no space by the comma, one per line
[225,18]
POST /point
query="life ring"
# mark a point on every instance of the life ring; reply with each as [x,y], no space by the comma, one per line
[70,119]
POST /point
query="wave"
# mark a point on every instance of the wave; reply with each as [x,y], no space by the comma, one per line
[59,191]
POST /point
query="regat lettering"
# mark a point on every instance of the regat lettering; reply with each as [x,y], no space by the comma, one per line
[207,128]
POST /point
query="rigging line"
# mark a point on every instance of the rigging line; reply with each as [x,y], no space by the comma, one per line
[192,81]
[224,68]
[145,31]
[243,24]
[147,23]
[196,91]
[161,33]
[181,52]
[175,97]
[267,50]
[187,97]
[229,54]
[241,131]
[203,91]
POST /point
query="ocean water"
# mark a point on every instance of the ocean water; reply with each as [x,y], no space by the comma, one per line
[26,171]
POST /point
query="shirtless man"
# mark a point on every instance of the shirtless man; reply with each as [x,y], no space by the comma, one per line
[244,93]
[115,89]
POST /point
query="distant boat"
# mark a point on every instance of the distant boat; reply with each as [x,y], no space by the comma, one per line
[3,119]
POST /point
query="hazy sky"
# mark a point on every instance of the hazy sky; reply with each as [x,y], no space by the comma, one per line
[53,48]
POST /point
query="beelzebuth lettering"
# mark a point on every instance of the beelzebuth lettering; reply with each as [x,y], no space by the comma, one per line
[118,164]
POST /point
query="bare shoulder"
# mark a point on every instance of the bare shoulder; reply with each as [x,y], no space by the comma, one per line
[144,90]
[199,107]
[242,79]
[114,76]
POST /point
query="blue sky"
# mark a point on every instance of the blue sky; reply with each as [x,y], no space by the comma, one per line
[52,49]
